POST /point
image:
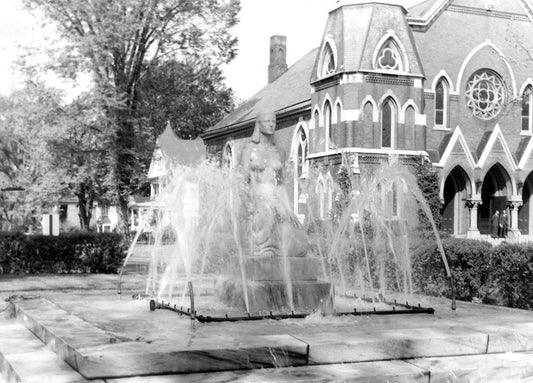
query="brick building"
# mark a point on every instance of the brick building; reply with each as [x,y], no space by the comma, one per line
[450,80]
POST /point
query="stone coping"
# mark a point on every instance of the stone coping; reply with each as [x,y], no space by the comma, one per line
[95,351]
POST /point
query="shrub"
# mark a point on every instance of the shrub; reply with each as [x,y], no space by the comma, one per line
[468,261]
[511,276]
[67,253]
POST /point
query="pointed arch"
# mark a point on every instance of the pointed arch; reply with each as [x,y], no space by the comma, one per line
[375,109]
[300,148]
[408,103]
[390,54]
[299,153]
[408,141]
[442,75]
[337,117]
[528,82]
[455,188]
[472,53]
[527,108]
[327,114]
[315,118]
[457,137]
[328,58]
[442,99]
[496,189]
[228,156]
[496,135]
[389,121]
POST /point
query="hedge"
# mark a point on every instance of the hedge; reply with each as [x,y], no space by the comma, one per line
[501,275]
[66,253]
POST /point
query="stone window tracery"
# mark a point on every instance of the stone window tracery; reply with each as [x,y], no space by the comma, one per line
[485,94]
[328,61]
[527,109]
[389,57]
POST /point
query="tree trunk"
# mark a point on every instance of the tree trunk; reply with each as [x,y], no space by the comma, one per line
[85,207]
[124,167]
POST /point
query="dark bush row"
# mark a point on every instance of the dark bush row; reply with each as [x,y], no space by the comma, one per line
[67,253]
[501,275]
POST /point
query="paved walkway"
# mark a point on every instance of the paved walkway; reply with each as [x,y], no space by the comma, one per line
[76,328]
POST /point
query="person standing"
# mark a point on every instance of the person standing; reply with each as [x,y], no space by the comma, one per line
[504,223]
[495,224]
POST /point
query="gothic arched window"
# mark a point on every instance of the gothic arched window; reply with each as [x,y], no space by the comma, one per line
[317,119]
[527,109]
[441,103]
[388,123]
[327,122]
[389,57]
[228,157]
[301,153]
[328,61]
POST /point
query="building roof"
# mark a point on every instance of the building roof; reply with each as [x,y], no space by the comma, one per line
[178,150]
[290,91]
[425,12]
[422,8]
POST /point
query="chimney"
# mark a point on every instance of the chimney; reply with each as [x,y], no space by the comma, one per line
[278,57]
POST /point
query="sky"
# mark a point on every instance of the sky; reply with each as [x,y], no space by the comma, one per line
[302,21]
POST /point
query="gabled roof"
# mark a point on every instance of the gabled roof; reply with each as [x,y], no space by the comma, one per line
[290,90]
[422,8]
[424,14]
[180,151]
[358,29]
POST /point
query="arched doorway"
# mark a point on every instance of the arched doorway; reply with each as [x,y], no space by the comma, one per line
[525,212]
[494,194]
[456,190]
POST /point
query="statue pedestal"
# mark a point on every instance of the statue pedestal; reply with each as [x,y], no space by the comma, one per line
[269,280]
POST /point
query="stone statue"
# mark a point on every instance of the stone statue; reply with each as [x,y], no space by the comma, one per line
[278,272]
[274,228]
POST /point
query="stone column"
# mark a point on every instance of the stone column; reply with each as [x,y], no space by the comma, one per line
[513,205]
[472,205]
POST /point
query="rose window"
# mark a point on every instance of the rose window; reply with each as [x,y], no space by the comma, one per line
[485,94]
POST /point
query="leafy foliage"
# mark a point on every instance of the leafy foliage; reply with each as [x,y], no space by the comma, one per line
[190,94]
[467,260]
[428,182]
[498,275]
[51,150]
[511,278]
[67,253]
[26,115]
[120,42]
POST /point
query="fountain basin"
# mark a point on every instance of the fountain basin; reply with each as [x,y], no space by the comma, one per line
[268,268]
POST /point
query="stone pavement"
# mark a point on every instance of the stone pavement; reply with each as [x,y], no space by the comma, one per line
[76,329]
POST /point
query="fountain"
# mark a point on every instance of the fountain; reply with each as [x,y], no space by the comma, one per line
[238,226]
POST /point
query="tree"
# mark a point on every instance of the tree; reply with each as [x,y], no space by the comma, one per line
[190,94]
[51,150]
[78,156]
[23,153]
[428,182]
[120,41]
